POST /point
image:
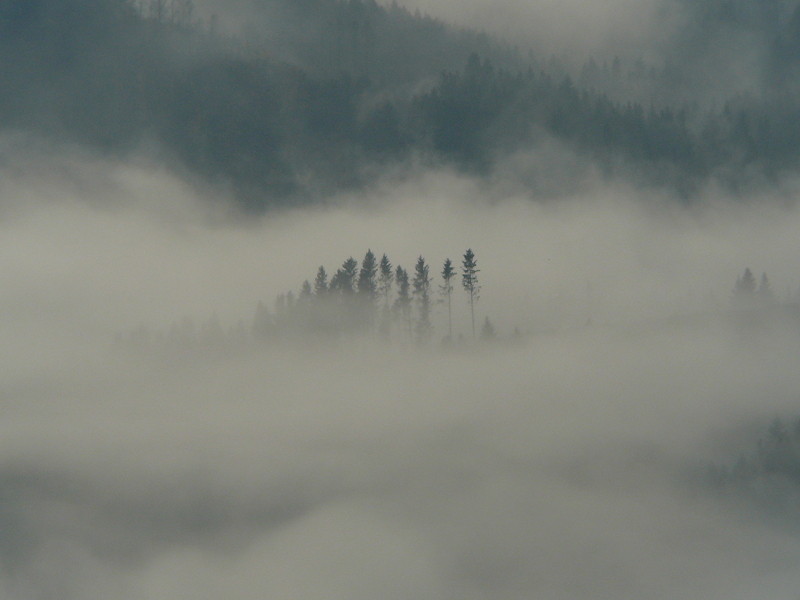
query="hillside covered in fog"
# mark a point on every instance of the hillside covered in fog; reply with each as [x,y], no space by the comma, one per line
[426,299]
[285,101]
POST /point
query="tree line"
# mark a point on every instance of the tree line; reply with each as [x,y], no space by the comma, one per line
[240,114]
[372,297]
[769,475]
[375,298]
[747,294]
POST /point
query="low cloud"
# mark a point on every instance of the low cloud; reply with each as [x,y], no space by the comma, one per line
[560,467]
[576,29]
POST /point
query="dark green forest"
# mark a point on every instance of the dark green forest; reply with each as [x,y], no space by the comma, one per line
[336,92]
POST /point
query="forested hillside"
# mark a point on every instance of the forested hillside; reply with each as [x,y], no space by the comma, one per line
[334,91]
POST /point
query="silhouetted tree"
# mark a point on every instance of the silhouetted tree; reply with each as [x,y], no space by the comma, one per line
[367,289]
[744,290]
[422,285]
[367,286]
[764,292]
[343,281]
[402,303]
[448,272]
[385,280]
[343,285]
[469,279]
[321,282]
[305,292]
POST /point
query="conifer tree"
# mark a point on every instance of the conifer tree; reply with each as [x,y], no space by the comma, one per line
[402,303]
[745,289]
[765,294]
[385,279]
[448,272]
[325,315]
[421,285]
[367,290]
[343,281]
[367,286]
[305,293]
[343,285]
[469,279]
[321,282]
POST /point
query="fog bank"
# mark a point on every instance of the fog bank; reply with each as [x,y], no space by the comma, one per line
[558,467]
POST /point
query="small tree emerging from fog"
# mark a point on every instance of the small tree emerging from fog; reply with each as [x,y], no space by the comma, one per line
[321,282]
[448,272]
[469,279]
[342,289]
[746,284]
[744,292]
[385,280]
[366,276]
[765,294]
[422,285]
[366,289]
[343,281]
[402,303]
[304,297]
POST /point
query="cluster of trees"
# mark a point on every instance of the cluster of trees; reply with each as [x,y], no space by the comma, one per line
[747,294]
[770,475]
[376,298]
[185,334]
[282,117]
[373,297]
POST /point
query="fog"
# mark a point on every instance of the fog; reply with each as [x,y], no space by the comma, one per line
[562,465]
[605,27]
[575,29]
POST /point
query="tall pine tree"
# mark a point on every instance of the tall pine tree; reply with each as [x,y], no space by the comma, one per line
[469,279]
[321,282]
[448,272]
[422,285]
[367,290]
[402,303]
[385,280]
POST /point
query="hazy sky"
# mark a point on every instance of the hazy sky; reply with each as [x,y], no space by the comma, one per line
[558,469]
[597,28]
[601,28]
